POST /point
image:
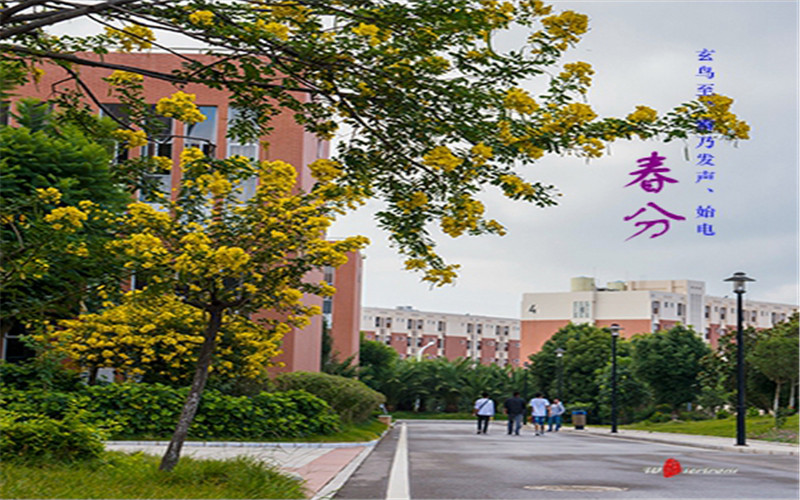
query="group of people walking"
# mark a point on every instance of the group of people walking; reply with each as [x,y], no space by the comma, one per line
[542,412]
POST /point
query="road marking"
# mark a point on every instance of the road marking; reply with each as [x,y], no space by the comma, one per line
[397,489]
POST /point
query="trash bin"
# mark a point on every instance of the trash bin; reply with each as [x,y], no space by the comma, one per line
[578,419]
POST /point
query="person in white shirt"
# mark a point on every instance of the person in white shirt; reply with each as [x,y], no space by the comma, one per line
[539,410]
[556,410]
[484,410]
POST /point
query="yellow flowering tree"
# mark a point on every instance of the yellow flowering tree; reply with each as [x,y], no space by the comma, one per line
[435,107]
[220,257]
[157,339]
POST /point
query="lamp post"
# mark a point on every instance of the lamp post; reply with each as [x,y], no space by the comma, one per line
[525,382]
[615,328]
[739,280]
[419,353]
[560,354]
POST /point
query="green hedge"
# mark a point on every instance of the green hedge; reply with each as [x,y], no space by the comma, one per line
[152,410]
[36,437]
[351,399]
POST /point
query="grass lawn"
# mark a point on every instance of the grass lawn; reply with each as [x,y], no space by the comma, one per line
[119,475]
[757,428]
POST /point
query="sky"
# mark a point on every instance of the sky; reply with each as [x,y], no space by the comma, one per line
[643,53]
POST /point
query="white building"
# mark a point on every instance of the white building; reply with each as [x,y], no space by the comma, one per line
[484,338]
[640,307]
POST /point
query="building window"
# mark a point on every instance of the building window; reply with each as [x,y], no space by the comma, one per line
[478,328]
[655,307]
[408,341]
[469,344]
[389,340]
[388,321]
[410,324]
[438,343]
[722,314]
[378,322]
[469,327]
[441,326]
[420,324]
[580,309]
[681,308]
[478,345]
[707,312]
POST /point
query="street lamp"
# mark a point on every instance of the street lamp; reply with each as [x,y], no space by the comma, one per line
[525,382]
[560,354]
[738,280]
[615,328]
[419,353]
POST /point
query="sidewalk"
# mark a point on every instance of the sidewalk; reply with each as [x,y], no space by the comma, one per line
[323,466]
[708,442]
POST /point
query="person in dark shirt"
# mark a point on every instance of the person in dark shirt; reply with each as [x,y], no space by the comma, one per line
[515,409]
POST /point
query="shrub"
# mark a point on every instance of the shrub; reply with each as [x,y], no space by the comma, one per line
[151,410]
[351,399]
[32,438]
[753,412]
[659,417]
[39,373]
[723,414]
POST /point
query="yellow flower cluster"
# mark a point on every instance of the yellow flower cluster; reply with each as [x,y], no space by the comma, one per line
[163,163]
[417,200]
[591,147]
[436,64]
[180,106]
[481,153]
[466,214]
[68,219]
[580,71]
[443,276]
[132,37]
[276,177]
[188,155]
[325,170]
[49,195]
[120,77]
[369,30]
[726,123]
[144,215]
[575,113]
[202,18]
[441,157]
[496,227]
[496,14]
[520,101]
[277,30]
[643,114]
[566,27]
[514,187]
[79,249]
[536,7]
[214,183]
[291,10]
[131,138]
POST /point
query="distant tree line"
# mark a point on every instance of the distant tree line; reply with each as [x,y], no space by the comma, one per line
[667,374]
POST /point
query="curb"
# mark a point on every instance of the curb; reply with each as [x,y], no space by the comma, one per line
[707,446]
[245,444]
[332,486]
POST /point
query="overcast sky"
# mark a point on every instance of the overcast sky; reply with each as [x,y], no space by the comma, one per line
[643,53]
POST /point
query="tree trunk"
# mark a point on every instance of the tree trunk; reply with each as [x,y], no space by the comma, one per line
[92,379]
[776,402]
[173,452]
[792,388]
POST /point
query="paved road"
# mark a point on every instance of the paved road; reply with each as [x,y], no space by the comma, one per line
[448,460]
